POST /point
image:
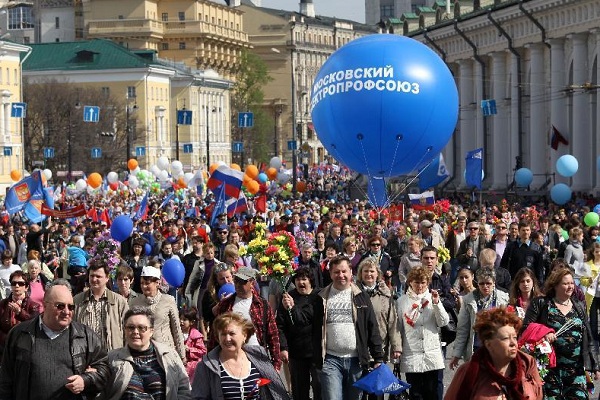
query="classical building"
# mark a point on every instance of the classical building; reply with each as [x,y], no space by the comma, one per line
[200,33]
[11,122]
[538,60]
[152,91]
[294,45]
[377,10]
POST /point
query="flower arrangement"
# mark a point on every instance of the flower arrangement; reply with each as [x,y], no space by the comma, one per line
[105,251]
[304,237]
[540,351]
[441,207]
[443,255]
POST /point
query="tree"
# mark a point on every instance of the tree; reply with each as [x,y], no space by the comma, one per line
[55,116]
[248,95]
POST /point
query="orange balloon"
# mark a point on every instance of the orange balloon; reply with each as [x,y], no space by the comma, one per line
[252,171]
[181,183]
[253,187]
[236,167]
[132,164]
[301,187]
[213,167]
[15,175]
[272,173]
[94,180]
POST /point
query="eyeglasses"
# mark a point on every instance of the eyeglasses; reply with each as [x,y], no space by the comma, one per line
[18,283]
[139,328]
[376,244]
[485,283]
[62,306]
[221,267]
[223,233]
[501,227]
[472,228]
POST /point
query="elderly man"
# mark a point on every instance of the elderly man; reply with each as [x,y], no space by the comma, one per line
[345,333]
[51,356]
[102,309]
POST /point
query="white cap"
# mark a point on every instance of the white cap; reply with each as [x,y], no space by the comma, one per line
[151,272]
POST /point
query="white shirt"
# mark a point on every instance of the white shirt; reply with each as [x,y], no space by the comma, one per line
[242,307]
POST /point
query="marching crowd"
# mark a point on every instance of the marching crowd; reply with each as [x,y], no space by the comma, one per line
[464,283]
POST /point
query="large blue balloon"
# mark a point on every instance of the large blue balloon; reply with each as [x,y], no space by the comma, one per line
[121,228]
[377,192]
[174,272]
[384,105]
[567,165]
[523,177]
[225,291]
[560,193]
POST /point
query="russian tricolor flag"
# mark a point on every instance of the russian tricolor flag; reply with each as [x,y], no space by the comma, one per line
[423,201]
[228,176]
[236,206]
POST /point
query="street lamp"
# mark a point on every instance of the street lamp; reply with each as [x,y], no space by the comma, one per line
[128,128]
[278,110]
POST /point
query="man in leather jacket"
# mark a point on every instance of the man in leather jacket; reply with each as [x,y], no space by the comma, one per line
[52,356]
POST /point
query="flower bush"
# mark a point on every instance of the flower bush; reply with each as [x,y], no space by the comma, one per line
[105,251]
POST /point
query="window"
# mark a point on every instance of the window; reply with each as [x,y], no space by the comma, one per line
[387,11]
[20,18]
[79,33]
[165,17]
[181,45]
[57,22]
[106,91]
[120,17]
[164,46]
[26,41]
[181,15]
[7,76]
[131,92]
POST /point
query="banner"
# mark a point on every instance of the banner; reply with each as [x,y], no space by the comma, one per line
[78,211]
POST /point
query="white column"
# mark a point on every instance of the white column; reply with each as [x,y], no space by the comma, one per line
[3,130]
[538,131]
[7,119]
[558,99]
[499,123]
[515,113]
[581,121]
[467,116]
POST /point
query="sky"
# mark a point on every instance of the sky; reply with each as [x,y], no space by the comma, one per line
[346,9]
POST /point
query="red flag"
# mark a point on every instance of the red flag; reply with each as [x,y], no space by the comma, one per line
[93,214]
[262,382]
[557,138]
[105,217]
[260,203]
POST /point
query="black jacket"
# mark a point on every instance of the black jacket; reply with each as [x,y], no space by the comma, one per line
[295,326]
[86,351]
[396,248]
[518,255]
[538,312]
[368,339]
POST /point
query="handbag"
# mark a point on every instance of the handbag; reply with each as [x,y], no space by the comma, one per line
[448,332]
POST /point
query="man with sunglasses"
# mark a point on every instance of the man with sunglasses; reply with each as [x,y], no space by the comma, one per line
[469,249]
[52,356]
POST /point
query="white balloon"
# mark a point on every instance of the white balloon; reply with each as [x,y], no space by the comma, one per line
[163,176]
[80,184]
[275,162]
[162,163]
[187,177]
[176,165]
[177,174]
[155,170]
[133,182]
[112,177]
[221,163]
[47,173]
[283,178]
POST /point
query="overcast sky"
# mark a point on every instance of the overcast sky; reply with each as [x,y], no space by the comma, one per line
[346,9]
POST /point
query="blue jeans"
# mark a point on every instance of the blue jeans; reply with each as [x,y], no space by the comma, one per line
[337,377]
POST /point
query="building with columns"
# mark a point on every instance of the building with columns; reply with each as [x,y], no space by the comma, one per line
[294,46]
[538,59]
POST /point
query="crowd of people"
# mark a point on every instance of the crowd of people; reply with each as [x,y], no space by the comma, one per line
[458,283]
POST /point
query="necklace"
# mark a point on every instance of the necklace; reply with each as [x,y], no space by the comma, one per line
[564,303]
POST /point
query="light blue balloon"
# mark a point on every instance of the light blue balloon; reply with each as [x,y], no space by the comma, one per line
[384,105]
[262,177]
[597,209]
[560,194]
[567,165]
[523,177]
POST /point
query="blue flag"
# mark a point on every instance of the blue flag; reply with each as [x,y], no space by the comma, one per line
[23,192]
[220,207]
[474,168]
[433,174]
[142,209]
[166,200]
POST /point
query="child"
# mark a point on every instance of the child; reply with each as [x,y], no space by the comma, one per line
[193,340]
[77,264]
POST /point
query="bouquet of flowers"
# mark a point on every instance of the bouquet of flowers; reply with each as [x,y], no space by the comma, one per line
[105,251]
[443,255]
[541,352]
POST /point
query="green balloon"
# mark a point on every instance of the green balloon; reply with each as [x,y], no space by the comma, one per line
[565,234]
[591,219]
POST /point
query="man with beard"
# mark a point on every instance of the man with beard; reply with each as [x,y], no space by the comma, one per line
[294,320]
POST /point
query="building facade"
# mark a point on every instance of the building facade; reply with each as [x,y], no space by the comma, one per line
[378,10]
[538,60]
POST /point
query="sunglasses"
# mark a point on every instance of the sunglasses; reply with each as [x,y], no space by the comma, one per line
[501,227]
[18,283]
[62,306]
[473,229]
[139,328]
[376,244]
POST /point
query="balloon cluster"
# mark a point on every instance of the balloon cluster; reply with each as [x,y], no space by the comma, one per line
[268,181]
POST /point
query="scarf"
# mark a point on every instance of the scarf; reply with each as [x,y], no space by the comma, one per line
[484,303]
[420,301]
[481,360]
